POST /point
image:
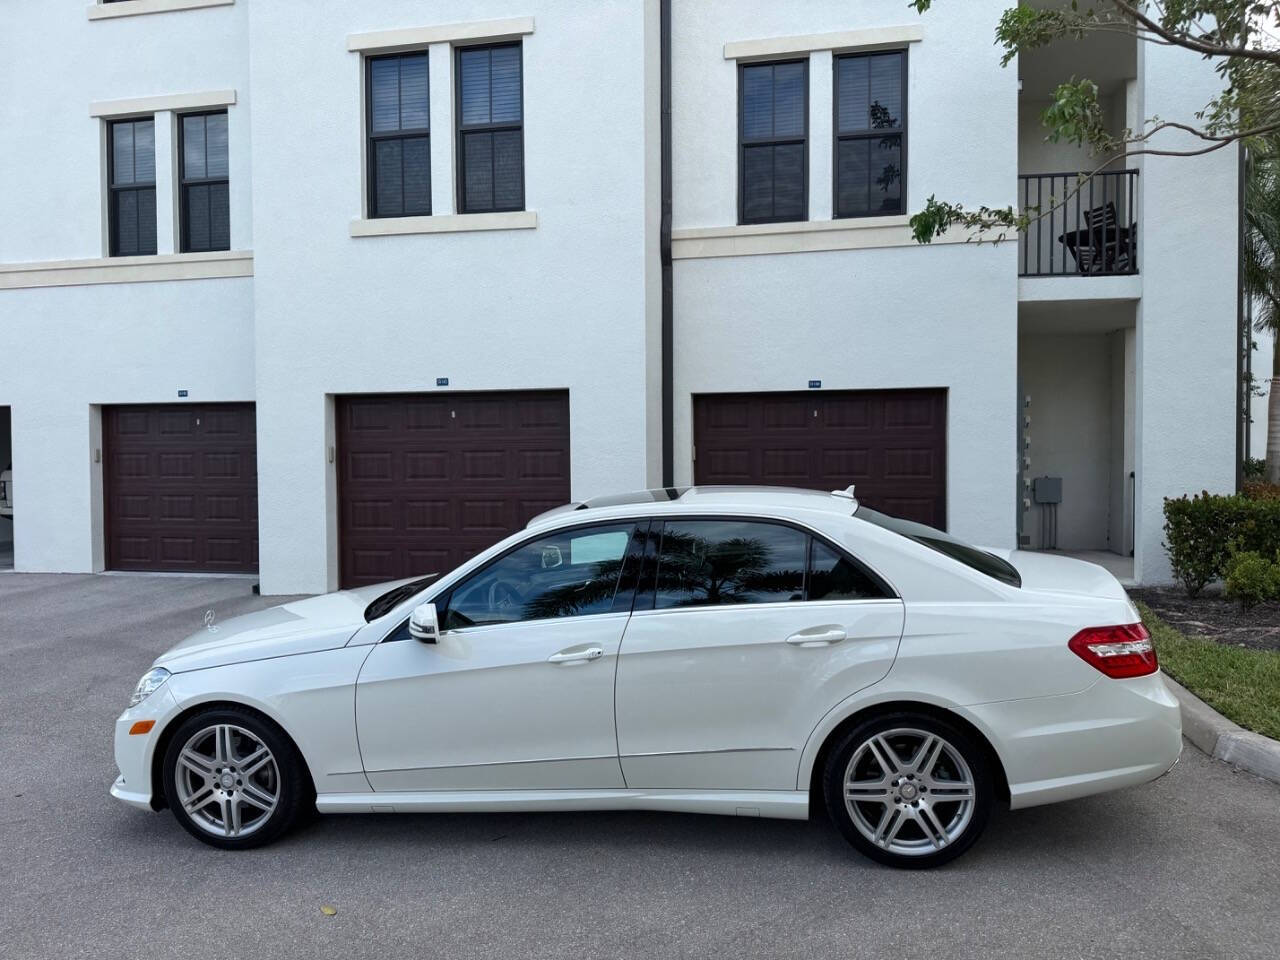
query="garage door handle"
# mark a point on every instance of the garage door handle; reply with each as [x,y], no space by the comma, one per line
[576,656]
[817,637]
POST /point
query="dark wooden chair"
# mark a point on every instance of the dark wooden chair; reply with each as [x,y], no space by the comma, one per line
[1100,245]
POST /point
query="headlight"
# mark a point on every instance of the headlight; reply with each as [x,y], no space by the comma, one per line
[151,681]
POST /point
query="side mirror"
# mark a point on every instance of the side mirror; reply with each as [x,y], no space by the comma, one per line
[423,623]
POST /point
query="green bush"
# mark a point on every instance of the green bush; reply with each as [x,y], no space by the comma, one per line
[1202,532]
[1255,468]
[1252,578]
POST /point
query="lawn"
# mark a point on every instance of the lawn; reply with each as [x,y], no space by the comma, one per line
[1240,683]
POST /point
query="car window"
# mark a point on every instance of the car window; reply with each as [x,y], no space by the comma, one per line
[568,573]
[970,556]
[714,562]
[833,576]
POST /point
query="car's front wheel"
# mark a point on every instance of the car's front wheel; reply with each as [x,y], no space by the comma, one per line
[233,779]
[908,789]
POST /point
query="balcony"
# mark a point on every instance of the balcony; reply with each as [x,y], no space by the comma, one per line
[1082,226]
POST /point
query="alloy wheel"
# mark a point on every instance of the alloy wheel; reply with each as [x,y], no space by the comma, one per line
[227,781]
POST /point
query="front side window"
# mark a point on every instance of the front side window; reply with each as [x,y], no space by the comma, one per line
[490,129]
[871,122]
[399,160]
[204,173]
[574,572]
[131,177]
[772,153]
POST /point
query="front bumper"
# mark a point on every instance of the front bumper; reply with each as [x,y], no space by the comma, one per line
[1115,734]
[134,752]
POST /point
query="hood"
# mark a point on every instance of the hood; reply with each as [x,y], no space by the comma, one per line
[303,626]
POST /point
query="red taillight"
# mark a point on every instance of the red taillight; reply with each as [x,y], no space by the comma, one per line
[1119,652]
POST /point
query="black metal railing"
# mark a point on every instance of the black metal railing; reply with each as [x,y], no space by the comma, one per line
[1081,225]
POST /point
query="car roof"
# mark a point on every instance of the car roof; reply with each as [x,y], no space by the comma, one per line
[715,498]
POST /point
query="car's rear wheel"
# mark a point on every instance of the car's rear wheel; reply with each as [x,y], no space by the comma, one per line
[233,779]
[909,790]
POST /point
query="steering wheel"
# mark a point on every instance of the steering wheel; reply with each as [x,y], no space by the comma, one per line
[502,594]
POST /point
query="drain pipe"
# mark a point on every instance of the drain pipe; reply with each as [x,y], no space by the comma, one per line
[668,304]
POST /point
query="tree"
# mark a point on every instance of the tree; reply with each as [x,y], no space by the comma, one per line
[1235,35]
[1262,269]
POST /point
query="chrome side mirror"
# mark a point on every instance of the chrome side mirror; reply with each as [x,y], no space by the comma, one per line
[423,623]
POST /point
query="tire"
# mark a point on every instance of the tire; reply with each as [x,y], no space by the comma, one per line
[233,779]
[897,766]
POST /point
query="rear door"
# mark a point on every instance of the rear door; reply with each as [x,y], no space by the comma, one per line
[745,633]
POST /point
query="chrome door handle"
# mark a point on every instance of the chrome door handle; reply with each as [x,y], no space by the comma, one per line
[817,637]
[576,656]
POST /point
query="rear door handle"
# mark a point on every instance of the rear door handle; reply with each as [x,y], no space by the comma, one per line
[817,637]
[576,655]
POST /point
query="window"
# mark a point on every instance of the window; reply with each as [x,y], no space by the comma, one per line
[398,111]
[131,177]
[203,174]
[711,562]
[833,576]
[944,543]
[773,121]
[569,573]
[490,129]
[870,132]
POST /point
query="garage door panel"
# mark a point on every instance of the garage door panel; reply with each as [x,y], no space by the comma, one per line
[181,487]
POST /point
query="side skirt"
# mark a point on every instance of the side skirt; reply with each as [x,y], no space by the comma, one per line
[779,804]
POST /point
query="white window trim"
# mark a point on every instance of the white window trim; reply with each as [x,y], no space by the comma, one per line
[176,102]
[133,8]
[149,269]
[445,223]
[873,38]
[801,236]
[391,41]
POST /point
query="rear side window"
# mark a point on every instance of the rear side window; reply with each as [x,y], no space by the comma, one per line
[833,576]
[970,556]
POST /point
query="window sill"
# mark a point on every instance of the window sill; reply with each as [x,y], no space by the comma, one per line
[745,240]
[133,8]
[444,223]
[165,266]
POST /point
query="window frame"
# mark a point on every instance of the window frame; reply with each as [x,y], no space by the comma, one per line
[460,131]
[837,137]
[184,233]
[743,144]
[372,138]
[113,223]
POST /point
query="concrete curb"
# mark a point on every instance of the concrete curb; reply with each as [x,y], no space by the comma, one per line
[1223,740]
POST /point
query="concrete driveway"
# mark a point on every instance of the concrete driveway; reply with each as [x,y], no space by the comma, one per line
[1188,866]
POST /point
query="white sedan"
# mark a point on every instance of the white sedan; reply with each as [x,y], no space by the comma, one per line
[755,652]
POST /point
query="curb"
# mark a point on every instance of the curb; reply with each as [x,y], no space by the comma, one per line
[1223,740]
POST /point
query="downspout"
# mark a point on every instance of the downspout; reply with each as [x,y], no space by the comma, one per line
[668,304]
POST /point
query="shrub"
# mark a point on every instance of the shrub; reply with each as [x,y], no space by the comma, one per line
[1261,490]
[1202,532]
[1252,578]
[1255,468]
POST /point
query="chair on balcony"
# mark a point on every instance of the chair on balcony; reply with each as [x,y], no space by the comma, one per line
[1101,246]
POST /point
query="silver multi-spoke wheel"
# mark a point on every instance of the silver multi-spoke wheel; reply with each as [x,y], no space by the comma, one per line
[909,791]
[227,780]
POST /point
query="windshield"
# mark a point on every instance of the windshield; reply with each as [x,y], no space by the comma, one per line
[394,597]
[970,556]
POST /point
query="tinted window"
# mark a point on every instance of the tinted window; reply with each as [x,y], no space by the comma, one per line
[774,127]
[490,128]
[833,576]
[399,136]
[870,117]
[970,556]
[204,173]
[711,562]
[568,573]
[132,163]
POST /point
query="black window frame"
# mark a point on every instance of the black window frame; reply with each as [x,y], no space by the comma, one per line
[837,137]
[373,138]
[460,130]
[743,143]
[184,215]
[114,189]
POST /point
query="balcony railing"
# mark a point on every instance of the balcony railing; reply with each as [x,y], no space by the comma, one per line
[1081,225]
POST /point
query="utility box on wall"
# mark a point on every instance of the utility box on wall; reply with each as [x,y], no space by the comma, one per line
[1046,490]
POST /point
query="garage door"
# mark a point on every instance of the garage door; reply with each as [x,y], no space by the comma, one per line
[427,481]
[181,487]
[890,443]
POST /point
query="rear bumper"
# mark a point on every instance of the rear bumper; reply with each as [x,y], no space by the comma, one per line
[1115,734]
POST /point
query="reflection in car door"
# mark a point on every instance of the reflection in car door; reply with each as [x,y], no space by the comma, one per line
[521,703]
[720,682]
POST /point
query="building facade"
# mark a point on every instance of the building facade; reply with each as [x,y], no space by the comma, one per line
[333,293]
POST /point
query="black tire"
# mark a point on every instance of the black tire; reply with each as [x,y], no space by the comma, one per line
[289,778]
[935,831]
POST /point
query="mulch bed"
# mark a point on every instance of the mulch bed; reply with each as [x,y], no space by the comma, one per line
[1213,616]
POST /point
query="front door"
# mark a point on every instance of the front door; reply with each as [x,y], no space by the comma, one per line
[518,692]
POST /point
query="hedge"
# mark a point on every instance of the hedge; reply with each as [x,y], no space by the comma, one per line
[1203,531]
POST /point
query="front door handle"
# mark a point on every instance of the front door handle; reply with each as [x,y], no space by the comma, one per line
[818,637]
[576,655]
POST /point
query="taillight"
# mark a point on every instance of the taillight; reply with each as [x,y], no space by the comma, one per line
[1119,652]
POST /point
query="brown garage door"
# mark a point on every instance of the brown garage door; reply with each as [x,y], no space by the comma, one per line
[181,487]
[427,481]
[891,443]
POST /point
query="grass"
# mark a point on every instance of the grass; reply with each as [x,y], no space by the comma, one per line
[1241,684]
